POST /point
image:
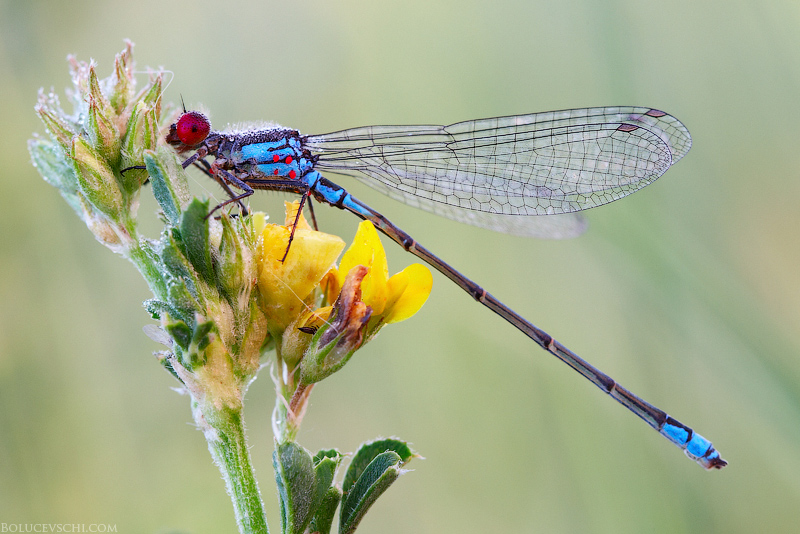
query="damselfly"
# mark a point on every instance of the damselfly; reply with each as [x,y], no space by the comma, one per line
[524,175]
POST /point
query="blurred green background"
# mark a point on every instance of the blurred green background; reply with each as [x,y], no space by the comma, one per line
[687,292]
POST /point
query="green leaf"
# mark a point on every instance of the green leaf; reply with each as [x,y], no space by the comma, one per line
[325,357]
[303,485]
[323,518]
[368,451]
[381,472]
[180,332]
[194,237]
[169,184]
[156,308]
[180,272]
[232,275]
[201,336]
[168,366]
[323,478]
[49,160]
[328,453]
[181,299]
[55,121]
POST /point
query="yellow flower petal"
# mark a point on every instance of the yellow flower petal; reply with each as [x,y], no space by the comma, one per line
[259,219]
[284,286]
[408,291]
[317,318]
[330,286]
[296,339]
[291,215]
[367,250]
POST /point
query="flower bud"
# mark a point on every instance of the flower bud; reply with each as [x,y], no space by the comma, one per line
[96,179]
[96,94]
[59,129]
[141,134]
[234,261]
[124,83]
[103,133]
[342,335]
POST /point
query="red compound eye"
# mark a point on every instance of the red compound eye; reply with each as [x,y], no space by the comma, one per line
[192,128]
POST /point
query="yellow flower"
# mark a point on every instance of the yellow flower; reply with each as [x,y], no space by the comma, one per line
[358,298]
[392,299]
[287,285]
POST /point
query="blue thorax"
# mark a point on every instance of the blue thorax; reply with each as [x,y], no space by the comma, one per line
[275,158]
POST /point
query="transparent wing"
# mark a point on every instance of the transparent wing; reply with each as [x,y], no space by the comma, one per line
[504,173]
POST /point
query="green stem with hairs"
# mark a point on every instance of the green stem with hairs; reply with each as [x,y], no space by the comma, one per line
[225,434]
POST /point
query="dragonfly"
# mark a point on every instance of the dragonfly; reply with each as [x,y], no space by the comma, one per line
[526,175]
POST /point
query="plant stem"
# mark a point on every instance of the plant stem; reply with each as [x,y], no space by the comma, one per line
[224,431]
